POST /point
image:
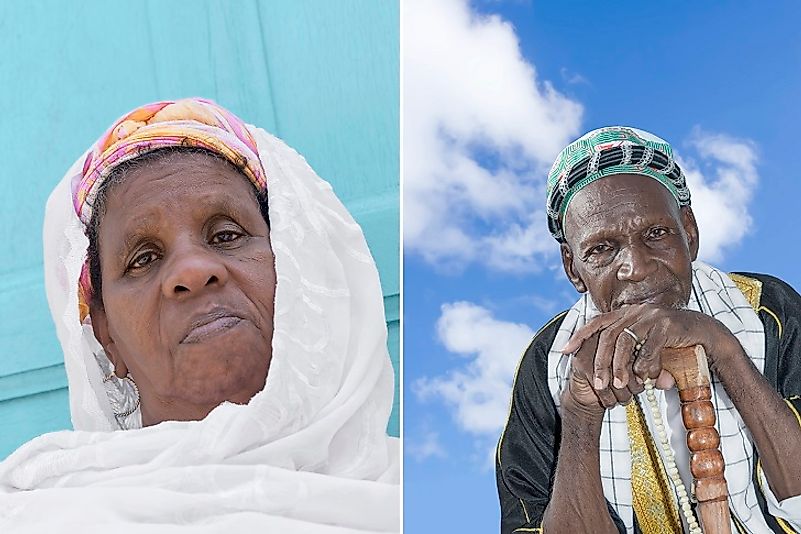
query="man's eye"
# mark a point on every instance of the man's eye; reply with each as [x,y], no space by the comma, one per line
[226,236]
[142,260]
[598,249]
[656,233]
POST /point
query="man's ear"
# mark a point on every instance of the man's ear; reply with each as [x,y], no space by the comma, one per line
[691,229]
[570,270]
[101,330]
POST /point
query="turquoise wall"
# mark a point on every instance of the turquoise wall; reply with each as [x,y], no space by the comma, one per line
[322,75]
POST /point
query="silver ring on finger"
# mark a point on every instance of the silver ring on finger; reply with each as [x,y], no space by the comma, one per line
[638,343]
[633,335]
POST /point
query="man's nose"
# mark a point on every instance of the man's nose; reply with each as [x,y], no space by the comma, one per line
[636,263]
[191,269]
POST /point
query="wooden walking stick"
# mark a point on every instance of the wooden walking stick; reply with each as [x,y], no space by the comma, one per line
[691,372]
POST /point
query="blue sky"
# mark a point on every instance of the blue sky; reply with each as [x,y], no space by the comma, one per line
[491,91]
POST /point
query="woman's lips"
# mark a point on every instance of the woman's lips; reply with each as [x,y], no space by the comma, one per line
[210,326]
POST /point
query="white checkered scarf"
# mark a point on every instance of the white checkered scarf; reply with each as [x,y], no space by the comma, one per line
[713,293]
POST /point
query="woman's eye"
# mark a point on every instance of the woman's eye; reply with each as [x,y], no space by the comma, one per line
[142,260]
[225,236]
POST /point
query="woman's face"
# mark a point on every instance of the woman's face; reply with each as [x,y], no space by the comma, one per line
[188,286]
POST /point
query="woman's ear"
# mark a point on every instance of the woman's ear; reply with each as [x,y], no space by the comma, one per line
[101,330]
[570,270]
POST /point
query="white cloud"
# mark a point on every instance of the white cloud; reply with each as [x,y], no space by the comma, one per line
[425,447]
[572,78]
[721,182]
[478,390]
[480,132]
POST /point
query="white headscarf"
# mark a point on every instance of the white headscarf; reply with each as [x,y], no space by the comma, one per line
[308,453]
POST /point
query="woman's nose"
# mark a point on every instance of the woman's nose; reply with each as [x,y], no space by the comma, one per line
[636,264]
[190,270]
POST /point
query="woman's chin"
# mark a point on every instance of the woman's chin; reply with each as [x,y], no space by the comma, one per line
[210,374]
[194,404]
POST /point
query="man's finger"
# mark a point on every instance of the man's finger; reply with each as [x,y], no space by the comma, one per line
[606,398]
[665,380]
[591,328]
[648,360]
[623,357]
[602,364]
[636,387]
[622,395]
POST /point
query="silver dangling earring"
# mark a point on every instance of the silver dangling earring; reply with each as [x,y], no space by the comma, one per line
[128,412]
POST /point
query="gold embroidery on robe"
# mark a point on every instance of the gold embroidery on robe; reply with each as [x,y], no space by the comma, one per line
[750,287]
[654,503]
[653,498]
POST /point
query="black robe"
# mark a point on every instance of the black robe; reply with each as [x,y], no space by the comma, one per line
[527,451]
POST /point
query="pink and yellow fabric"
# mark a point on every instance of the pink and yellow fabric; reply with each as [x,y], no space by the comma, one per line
[191,122]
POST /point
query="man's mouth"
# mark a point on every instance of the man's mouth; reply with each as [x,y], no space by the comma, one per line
[213,323]
[654,297]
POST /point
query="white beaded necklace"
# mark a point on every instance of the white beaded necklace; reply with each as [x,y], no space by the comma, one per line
[670,459]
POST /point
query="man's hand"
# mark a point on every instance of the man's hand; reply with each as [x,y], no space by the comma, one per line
[607,370]
[581,396]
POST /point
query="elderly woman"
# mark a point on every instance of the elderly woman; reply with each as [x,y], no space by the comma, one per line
[215,300]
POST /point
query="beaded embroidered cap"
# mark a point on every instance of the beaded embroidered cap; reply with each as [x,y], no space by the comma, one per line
[607,151]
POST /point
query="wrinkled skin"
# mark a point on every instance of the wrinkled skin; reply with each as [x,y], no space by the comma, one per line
[188,286]
[628,242]
[630,245]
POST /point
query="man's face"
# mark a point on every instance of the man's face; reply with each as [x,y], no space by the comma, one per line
[628,242]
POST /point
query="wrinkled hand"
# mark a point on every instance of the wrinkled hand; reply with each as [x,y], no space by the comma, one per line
[606,371]
[583,395]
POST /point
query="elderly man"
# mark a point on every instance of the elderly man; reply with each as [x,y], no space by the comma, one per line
[579,452]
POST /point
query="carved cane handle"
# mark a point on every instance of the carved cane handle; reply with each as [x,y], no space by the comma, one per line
[691,372]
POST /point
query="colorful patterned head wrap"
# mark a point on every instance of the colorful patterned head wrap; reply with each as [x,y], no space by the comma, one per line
[607,151]
[191,122]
